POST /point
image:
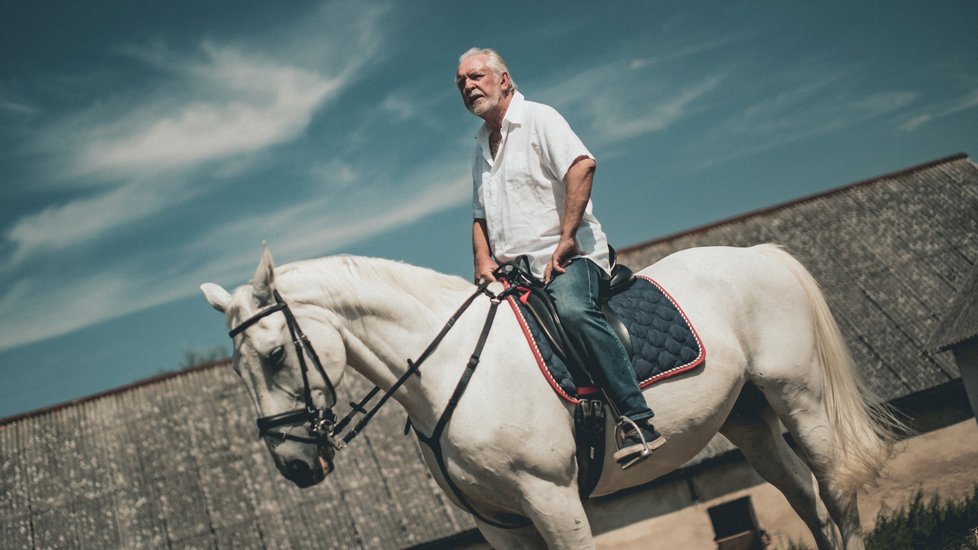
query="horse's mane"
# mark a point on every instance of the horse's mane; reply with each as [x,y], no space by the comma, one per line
[335,276]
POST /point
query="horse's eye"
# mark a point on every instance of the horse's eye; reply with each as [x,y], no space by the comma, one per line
[277,355]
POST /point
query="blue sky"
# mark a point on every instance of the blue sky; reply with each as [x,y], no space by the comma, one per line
[148,147]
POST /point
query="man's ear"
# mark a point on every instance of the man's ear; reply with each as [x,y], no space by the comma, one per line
[507,83]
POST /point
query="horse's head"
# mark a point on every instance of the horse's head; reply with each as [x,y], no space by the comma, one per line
[290,379]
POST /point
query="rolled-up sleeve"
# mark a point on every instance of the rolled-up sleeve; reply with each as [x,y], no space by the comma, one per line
[560,145]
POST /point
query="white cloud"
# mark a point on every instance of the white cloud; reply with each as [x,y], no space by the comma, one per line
[211,107]
[57,228]
[812,108]
[251,103]
[620,100]
[398,106]
[31,311]
[657,112]
[941,110]
[227,254]
[329,223]
[17,107]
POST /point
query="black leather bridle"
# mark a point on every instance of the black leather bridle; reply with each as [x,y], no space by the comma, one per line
[320,421]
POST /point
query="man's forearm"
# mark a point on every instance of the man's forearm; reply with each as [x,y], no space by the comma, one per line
[579,179]
[480,241]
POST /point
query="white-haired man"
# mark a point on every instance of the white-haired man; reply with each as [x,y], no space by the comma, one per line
[532,180]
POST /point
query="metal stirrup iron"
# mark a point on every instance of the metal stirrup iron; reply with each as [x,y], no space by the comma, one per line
[646,451]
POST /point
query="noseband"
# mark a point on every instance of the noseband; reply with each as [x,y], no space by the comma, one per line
[319,421]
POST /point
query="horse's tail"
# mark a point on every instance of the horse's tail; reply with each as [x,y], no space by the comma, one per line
[864,427]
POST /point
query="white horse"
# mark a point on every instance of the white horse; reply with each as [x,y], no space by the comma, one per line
[509,448]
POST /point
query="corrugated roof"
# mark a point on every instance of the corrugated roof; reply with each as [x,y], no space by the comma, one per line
[960,324]
[177,463]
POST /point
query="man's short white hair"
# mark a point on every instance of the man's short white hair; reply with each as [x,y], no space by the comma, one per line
[495,62]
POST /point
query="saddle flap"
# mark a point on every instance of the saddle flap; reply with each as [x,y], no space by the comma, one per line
[663,342]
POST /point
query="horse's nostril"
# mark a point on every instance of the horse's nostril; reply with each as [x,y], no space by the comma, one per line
[297,467]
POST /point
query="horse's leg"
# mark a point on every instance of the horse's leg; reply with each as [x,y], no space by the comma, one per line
[810,428]
[500,538]
[557,513]
[754,429]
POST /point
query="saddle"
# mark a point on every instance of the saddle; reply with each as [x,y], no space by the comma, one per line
[653,328]
[589,413]
[533,296]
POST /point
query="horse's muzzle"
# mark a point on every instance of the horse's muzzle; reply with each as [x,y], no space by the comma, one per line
[298,472]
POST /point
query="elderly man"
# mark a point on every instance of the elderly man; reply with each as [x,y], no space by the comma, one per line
[532,180]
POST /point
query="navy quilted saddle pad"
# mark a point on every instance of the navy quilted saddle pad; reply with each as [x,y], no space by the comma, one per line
[663,341]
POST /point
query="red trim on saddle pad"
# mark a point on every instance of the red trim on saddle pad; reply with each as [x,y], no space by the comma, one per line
[697,361]
[590,390]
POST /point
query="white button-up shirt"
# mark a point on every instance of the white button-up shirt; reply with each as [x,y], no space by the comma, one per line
[521,193]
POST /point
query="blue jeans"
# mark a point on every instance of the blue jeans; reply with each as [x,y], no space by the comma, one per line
[576,296]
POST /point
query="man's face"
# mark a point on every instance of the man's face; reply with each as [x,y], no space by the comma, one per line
[480,87]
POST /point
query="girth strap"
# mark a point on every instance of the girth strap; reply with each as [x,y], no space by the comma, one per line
[434,440]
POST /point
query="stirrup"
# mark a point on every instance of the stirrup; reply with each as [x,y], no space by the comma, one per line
[646,449]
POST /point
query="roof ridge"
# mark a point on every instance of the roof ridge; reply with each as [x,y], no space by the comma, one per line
[4,422]
[794,202]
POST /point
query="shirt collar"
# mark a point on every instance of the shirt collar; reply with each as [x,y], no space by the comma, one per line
[514,115]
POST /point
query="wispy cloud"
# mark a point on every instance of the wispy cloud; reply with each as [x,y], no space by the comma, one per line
[137,156]
[57,310]
[215,105]
[620,100]
[941,110]
[17,107]
[328,223]
[797,111]
[251,103]
[58,228]
[123,287]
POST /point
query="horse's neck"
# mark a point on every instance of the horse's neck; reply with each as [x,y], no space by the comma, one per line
[385,323]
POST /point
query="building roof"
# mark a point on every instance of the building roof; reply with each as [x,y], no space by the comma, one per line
[960,323]
[175,461]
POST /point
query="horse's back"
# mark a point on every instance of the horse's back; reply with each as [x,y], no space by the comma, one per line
[751,295]
[715,287]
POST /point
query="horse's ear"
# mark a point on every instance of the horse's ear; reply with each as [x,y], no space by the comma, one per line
[216,296]
[263,285]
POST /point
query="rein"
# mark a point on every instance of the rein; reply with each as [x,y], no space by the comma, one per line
[413,367]
[321,423]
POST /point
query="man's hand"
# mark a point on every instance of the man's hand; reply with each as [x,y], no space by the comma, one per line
[566,249]
[483,271]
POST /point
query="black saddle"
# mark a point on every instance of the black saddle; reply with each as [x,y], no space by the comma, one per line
[539,304]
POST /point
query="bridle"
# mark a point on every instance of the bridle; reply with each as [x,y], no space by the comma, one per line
[320,421]
[321,424]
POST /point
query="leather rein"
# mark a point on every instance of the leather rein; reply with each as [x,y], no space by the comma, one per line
[321,425]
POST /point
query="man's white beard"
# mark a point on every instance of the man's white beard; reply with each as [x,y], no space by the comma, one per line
[478,108]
